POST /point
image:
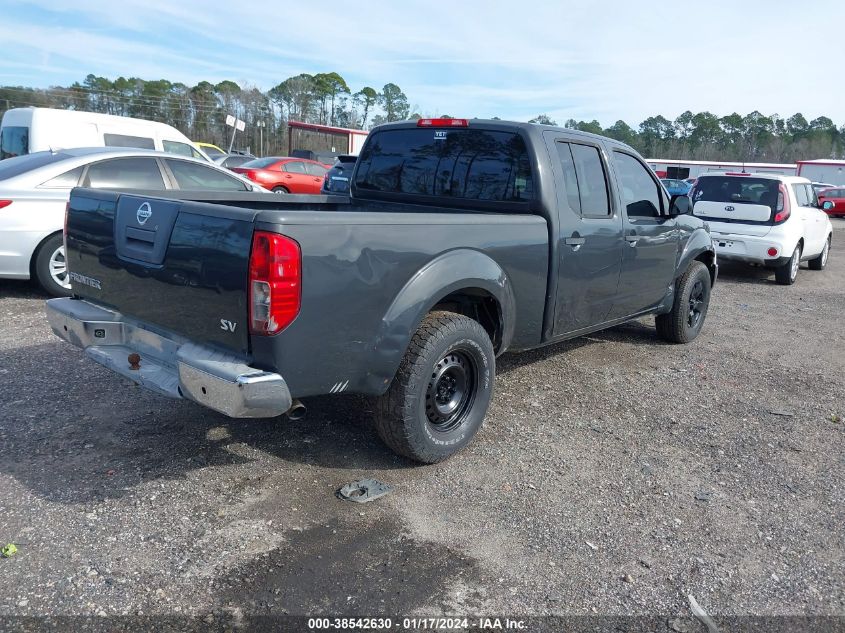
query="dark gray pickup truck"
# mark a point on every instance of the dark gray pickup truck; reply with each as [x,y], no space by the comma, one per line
[459,240]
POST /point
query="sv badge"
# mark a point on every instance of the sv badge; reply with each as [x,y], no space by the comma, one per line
[228,326]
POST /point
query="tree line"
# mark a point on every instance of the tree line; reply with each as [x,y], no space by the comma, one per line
[200,111]
[754,137]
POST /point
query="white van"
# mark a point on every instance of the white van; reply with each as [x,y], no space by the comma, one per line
[27,130]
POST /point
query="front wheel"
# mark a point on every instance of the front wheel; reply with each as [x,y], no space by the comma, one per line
[440,394]
[818,263]
[788,272]
[51,267]
[281,190]
[692,299]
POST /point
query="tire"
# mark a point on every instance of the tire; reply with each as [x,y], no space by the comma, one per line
[51,267]
[282,190]
[440,394]
[820,262]
[692,299]
[788,273]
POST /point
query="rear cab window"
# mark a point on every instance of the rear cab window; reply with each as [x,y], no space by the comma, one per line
[14,141]
[474,168]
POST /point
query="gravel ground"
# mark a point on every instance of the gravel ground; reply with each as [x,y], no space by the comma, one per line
[614,475]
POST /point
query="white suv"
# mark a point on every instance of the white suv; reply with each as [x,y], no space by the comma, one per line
[764,219]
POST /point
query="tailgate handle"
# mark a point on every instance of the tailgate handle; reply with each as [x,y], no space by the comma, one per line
[140,235]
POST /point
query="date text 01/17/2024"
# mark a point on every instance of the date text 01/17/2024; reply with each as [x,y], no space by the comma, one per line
[416,624]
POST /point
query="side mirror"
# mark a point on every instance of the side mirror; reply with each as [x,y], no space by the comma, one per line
[679,205]
[827,205]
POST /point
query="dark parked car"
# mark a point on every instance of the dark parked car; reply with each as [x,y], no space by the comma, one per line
[337,178]
[459,240]
[232,160]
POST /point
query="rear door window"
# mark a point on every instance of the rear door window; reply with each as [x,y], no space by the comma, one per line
[125,173]
[14,141]
[197,177]
[294,167]
[315,169]
[585,179]
[124,140]
[447,166]
[640,193]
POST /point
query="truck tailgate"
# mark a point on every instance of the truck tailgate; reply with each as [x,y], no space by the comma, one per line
[179,265]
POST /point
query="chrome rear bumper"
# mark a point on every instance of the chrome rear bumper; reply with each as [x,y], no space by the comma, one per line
[169,365]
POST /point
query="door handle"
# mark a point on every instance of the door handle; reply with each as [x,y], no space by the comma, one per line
[632,240]
[574,241]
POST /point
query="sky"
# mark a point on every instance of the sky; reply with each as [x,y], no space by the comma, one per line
[604,60]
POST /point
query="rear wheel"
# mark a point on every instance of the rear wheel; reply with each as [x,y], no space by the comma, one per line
[821,261]
[440,394]
[788,272]
[280,190]
[51,267]
[692,299]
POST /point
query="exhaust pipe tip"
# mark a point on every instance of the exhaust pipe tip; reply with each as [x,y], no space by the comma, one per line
[297,411]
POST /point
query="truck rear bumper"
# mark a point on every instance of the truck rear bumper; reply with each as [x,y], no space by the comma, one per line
[169,364]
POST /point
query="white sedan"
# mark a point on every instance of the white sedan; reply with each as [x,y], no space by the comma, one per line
[34,190]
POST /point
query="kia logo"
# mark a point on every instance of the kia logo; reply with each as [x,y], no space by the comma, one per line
[728,208]
[144,213]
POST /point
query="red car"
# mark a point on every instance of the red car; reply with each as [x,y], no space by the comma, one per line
[285,175]
[835,195]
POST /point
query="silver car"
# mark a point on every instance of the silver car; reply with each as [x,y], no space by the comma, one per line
[34,190]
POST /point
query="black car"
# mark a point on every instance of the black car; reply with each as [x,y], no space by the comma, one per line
[337,178]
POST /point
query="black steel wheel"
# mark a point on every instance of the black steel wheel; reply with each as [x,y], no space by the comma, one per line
[689,309]
[440,394]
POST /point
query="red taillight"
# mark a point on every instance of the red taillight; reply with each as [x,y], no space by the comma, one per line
[782,210]
[5,203]
[772,251]
[442,123]
[275,274]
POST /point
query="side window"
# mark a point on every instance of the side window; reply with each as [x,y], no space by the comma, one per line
[123,140]
[640,193]
[801,195]
[65,180]
[592,181]
[585,179]
[315,170]
[570,180]
[174,147]
[193,176]
[812,195]
[125,173]
[296,167]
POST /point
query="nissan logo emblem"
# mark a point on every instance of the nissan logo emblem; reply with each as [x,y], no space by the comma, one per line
[144,213]
[728,208]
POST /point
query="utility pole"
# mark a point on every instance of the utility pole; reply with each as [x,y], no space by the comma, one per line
[261,125]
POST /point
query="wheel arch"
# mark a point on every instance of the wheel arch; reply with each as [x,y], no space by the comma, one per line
[464,281]
[35,252]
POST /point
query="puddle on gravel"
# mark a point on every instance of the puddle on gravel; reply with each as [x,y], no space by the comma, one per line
[350,568]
